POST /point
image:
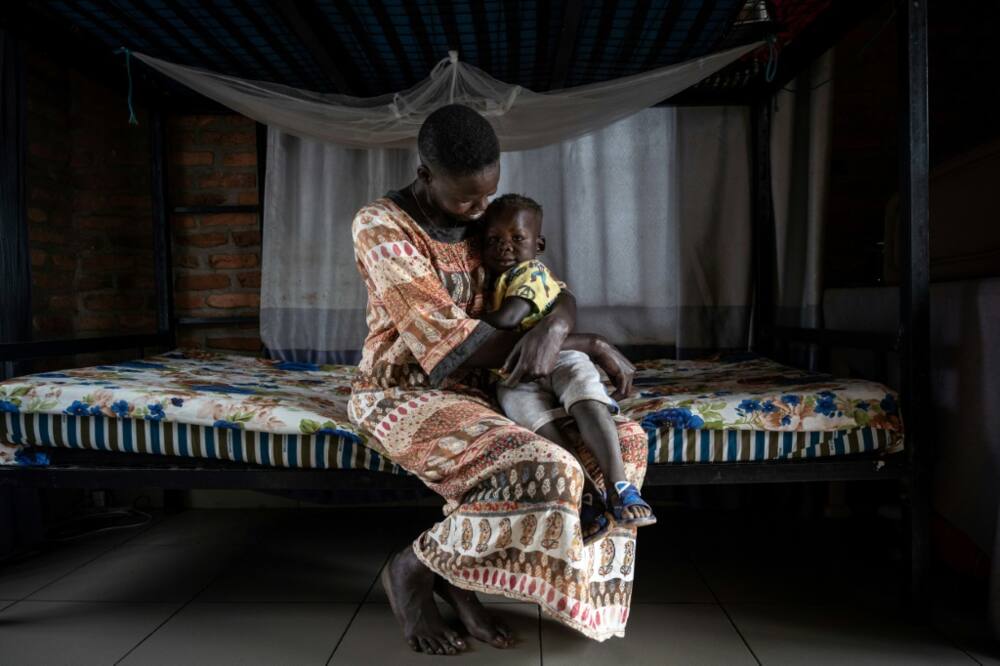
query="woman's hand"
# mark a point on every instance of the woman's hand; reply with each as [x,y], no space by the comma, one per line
[535,353]
[618,368]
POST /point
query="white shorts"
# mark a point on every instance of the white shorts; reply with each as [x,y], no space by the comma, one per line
[574,378]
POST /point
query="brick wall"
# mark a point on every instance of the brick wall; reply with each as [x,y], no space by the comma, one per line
[89,210]
[90,217]
[216,257]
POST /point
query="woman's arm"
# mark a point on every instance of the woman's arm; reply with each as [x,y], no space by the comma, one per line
[618,368]
[536,349]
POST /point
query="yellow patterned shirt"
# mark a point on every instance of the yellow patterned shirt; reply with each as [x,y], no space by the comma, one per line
[532,281]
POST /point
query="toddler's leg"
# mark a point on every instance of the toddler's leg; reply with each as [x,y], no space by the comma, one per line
[578,385]
[598,431]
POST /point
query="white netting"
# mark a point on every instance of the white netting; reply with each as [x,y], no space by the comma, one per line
[523,119]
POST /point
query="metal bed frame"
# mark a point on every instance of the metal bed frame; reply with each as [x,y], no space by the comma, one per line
[86,469]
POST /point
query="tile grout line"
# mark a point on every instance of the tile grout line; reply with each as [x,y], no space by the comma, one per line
[725,611]
[219,573]
[359,607]
[954,643]
[96,557]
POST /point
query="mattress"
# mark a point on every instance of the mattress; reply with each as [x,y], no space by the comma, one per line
[284,414]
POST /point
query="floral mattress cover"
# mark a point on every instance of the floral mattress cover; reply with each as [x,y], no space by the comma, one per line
[194,403]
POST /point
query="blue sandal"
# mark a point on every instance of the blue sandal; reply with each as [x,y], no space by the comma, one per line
[629,496]
[590,513]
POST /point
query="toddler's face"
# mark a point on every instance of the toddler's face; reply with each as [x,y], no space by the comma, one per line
[512,236]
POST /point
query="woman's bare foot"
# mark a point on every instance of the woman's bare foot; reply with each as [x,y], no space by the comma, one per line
[409,584]
[479,623]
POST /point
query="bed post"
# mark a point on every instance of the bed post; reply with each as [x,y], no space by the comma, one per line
[763,249]
[15,267]
[914,313]
[165,326]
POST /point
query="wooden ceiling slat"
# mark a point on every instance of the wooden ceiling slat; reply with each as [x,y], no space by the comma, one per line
[484,45]
[194,25]
[567,43]
[604,25]
[348,14]
[542,62]
[446,10]
[420,31]
[267,32]
[694,33]
[633,32]
[513,34]
[663,34]
[323,55]
[226,23]
[392,36]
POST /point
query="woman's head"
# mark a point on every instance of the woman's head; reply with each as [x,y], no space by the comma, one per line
[460,161]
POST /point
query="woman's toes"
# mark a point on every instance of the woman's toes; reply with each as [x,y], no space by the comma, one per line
[413,644]
[455,640]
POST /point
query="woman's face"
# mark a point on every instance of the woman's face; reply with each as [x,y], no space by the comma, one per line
[462,198]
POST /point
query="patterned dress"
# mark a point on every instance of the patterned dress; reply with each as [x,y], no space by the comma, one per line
[511,523]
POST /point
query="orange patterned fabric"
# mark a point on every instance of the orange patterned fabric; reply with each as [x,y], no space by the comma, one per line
[512,522]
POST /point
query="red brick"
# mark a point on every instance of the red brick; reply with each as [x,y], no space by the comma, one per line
[202,240]
[42,235]
[239,300]
[202,282]
[249,279]
[240,159]
[228,220]
[247,198]
[188,301]
[137,321]
[113,301]
[193,158]
[51,326]
[37,215]
[134,281]
[90,201]
[92,282]
[227,180]
[62,303]
[245,238]
[41,195]
[64,261]
[96,323]
[215,137]
[38,257]
[182,221]
[234,343]
[51,280]
[109,262]
[137,201]
[233,261]
[186,261]
[81,158]
[200,199]
[105,222]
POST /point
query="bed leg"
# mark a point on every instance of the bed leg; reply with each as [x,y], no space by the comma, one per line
[173,501]
[917,506]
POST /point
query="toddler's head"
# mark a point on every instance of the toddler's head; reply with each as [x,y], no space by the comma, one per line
[513,232]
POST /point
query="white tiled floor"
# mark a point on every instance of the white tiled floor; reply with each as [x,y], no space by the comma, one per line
[301,587]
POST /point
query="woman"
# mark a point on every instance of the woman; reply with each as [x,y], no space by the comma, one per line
[512,498]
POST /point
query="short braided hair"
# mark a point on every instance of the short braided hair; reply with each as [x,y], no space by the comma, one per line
[513,202]
[458,141]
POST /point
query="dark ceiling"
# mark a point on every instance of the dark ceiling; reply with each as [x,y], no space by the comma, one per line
[366,48]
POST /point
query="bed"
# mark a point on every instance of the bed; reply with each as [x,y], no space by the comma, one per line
[195,404]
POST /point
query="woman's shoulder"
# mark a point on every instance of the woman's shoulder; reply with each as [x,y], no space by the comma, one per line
[383,215]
